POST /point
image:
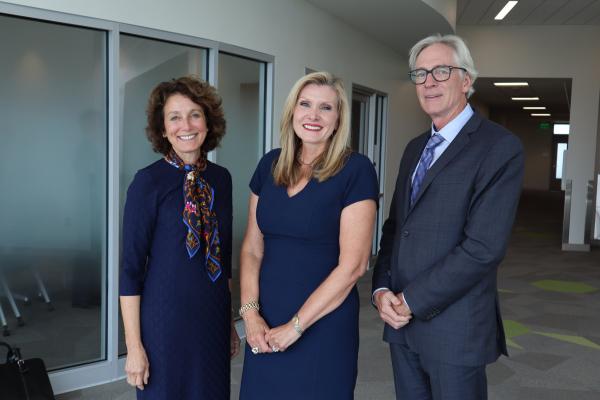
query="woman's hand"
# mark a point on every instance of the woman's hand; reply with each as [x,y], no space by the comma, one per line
[256,329]
[235,341]
[282,337]
[137,367]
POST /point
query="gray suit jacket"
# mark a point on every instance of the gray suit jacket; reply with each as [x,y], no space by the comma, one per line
[444,251]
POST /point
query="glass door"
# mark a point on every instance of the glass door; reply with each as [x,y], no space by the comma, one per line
[368,127]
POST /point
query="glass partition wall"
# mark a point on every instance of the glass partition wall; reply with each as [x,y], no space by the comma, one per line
[53,178]
[74,93]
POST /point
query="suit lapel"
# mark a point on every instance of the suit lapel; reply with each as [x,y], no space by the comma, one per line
[459,142]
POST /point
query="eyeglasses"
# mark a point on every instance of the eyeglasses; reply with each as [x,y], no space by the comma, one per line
[440,73]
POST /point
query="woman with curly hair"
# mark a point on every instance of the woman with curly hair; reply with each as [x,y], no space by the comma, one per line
[176,264]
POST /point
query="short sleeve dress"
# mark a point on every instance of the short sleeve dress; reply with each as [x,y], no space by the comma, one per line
[185,317]
[301,248]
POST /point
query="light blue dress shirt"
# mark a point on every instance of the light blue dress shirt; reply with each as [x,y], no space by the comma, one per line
[448,132]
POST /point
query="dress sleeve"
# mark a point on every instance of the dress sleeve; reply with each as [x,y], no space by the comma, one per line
[263,171]
[139,218]
[362,181]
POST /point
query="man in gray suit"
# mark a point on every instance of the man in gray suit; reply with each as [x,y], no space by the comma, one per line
[434,283]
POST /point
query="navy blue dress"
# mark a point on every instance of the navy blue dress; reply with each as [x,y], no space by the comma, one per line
[301,248]
[185,317]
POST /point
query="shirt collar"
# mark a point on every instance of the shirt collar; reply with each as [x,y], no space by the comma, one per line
[452,128]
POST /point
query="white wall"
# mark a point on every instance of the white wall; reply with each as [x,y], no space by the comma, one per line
[296,33]
[552,52]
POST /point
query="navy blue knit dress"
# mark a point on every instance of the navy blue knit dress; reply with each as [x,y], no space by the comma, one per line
[185,317]
[301,247]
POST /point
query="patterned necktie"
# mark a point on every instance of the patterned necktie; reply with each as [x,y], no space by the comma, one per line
[424,164]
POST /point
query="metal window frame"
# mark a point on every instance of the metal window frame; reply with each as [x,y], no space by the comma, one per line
[112,367]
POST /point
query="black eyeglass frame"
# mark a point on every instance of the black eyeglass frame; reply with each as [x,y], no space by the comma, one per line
[430,71]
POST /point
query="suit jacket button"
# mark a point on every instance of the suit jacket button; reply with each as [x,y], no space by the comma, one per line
[405,233]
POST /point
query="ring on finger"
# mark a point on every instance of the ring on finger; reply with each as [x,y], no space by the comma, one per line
[275,349]
[255,350]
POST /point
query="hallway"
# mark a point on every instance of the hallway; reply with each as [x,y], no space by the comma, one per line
[550,303]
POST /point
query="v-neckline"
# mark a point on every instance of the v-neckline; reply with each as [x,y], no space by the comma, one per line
[298,192]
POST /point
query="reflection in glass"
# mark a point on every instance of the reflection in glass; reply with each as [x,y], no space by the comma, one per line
[143,64]
[242,87]
[53,179]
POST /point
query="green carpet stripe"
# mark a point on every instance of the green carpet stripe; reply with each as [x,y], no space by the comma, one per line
[564,286]
[581,341]
[505,291]
[514,328]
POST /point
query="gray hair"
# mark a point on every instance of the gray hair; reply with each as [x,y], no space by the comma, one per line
[462,55]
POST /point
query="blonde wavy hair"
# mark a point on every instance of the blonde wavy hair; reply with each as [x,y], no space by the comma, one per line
[287,169]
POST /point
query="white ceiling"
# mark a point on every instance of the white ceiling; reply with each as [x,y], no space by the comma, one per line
[401,23]
[530,12]
[395,23]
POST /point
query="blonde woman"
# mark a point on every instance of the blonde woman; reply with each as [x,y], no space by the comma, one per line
[311,217]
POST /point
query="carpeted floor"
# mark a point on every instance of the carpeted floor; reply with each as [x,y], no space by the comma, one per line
[551,307]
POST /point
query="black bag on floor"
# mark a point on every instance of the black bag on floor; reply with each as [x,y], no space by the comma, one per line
[23,379]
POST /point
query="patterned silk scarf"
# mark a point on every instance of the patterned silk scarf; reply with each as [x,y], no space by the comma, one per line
[198,214]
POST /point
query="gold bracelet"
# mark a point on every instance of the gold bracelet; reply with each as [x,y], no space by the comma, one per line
[252,304]
[297,326]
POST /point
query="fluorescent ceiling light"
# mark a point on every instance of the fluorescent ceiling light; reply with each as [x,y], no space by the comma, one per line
[534,108]
[525,98]
[511,84]
[540,114]
[505,10]
[561,129]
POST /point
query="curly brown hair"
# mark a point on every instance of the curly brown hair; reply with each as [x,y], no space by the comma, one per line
[198,91]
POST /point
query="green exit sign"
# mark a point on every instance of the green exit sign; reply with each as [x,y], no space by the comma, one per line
[544,125]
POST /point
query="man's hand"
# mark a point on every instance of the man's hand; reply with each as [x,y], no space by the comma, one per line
[402,308]
[392,309]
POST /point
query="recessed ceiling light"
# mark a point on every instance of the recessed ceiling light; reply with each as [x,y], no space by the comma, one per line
[525,98]
[534,108]
[540,114]
[511,84]
[505,10]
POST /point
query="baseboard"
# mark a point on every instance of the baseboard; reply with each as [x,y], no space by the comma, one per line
[575,247]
